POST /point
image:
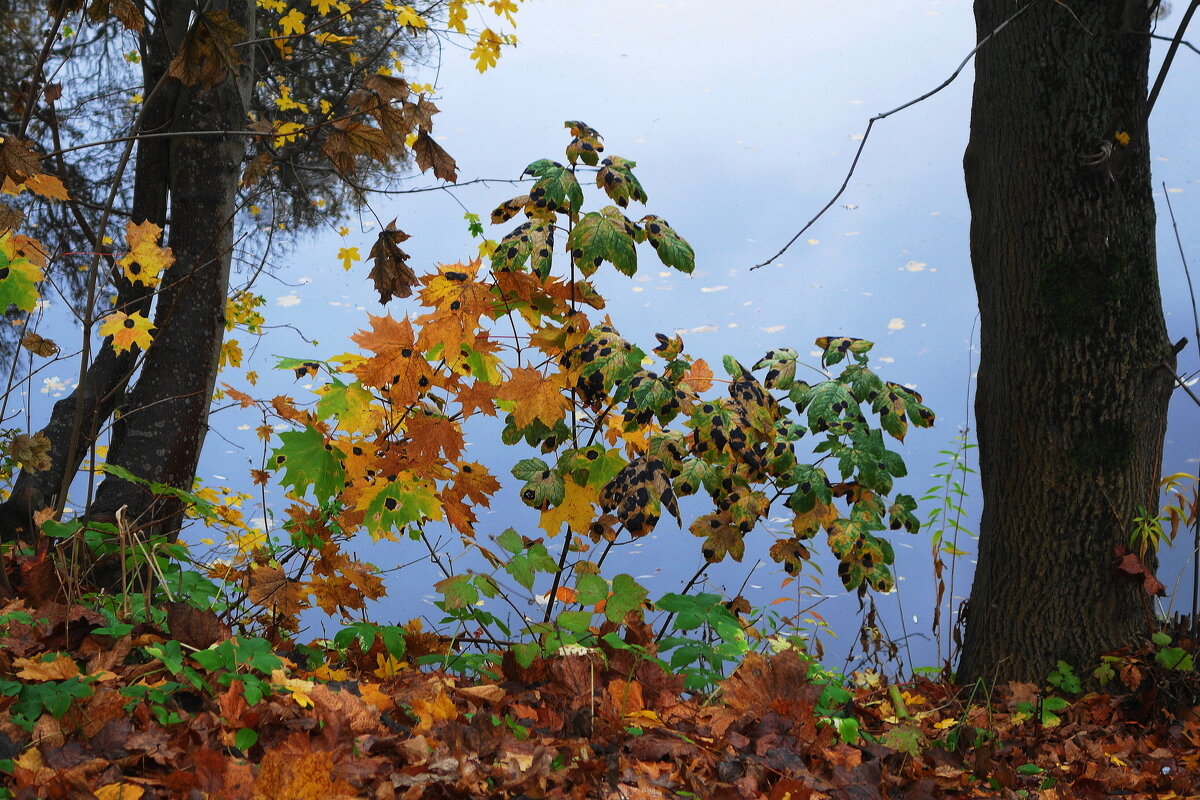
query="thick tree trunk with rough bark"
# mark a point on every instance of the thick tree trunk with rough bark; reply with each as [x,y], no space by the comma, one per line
[1076,367]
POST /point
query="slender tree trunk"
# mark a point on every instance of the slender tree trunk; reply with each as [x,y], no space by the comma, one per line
[1076,367]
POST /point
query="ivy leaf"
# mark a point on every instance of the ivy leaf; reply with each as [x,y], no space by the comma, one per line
[532,241]
[308,460]
[781,368]
[556,188]
[672,249]
[618,182]
[836,347]
[586,145]
[605,235]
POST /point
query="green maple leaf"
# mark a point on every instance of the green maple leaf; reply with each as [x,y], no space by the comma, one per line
[556,188]
[532,241]
[650,396]
[900,514]
[18,282]
[605,235]
[308,461]
[835,348]
[673,250]
[543,488]
[618,182]
[592,466]
[399,503]
[832,407]
[627,595]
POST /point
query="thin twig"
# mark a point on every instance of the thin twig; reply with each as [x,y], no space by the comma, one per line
[871,122]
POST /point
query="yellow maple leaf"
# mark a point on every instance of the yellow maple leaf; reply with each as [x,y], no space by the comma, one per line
[285,102]
[487,50]
[322,6]
[505,7]
[332,38]
[408,16]
[575,510]
[127,330]
[60,669]
[293,23]
[146,260]
[287,132]
[456,18]
[273,5]
[433,711]
[119,791]
[348,256]
[301,690]
[47,186]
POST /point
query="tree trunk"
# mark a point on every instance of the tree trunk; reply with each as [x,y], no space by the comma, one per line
[1076,368]
[163,425]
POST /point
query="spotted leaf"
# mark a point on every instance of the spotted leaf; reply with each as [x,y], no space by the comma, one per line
[586,145]
[556,188]
[672,249]
[605,235]
[618,182]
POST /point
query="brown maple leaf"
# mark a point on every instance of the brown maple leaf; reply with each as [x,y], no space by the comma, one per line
[391,274]
[431,155]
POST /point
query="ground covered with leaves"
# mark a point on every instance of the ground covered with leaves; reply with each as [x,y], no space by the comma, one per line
[92,708]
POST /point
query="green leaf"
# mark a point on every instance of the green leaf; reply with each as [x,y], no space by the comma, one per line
[831,406]
[591,588]
[618,182]
[627,595]
[605,235]
[403,501]
[458,591]
[543,490]
[1029,769]
[245,738]
[557,189]
[528,468]
[19,278]
[531,241]
[781,368]
[835,348]
[525,566]
[575,621]
[307,460]
[511,541]
[672,249]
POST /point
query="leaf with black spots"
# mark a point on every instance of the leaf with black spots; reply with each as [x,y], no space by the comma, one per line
[696,474]
[637,494]
[556,188]
[509,209]
[864,384]
[831,407]
[650,397]
[586,145]
[391,274]
[721,538]
[605,235]
[900,514]
[780,364]
[835,349]
[543,489]
[601,362]
[592,466]
[391,504]
[617,180]
[812,486]
[791,553]
[673,250]
[532,241]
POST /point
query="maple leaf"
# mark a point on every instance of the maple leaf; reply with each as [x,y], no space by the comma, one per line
[721,537]
[535,397]
[352,406]
[47,186]
[145,260]
[18,161]
[586,145]
[391,273]
[208,51]
[293,23]
[455,288]
[408,17]
[397,363]
[308,460]
[556,189]
[19,276]
[271,588]
[672,250]
[487,50]
[433,439]
[575,510]
[127,331]
[348,255]
[439,708]
[431,155]
[637,494]
[618,182]
[605,235]
[391,505]
[532,241]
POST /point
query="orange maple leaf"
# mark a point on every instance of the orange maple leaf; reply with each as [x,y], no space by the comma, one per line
[397,362]
[535,396]
[127,330]
[433,438]
[145,261]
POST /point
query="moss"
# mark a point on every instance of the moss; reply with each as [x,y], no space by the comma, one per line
[1106,447]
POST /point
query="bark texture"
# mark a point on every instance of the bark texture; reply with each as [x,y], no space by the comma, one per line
[1076,367]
